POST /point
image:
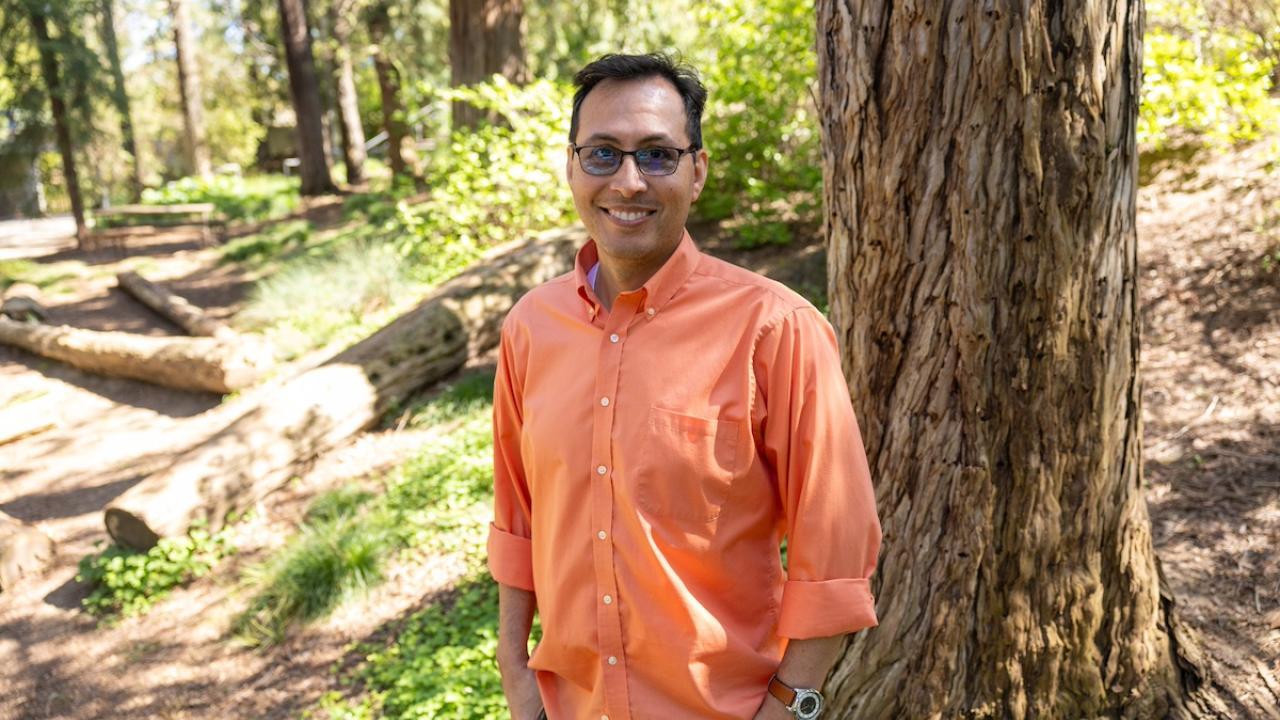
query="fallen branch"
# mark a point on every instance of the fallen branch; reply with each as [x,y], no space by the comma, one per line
[24,551]
[281,430]
[173,307]
[179,362]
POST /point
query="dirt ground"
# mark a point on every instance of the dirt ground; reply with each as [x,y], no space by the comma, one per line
[1211,351]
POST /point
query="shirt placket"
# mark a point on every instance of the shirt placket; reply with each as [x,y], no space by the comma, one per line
[608,604]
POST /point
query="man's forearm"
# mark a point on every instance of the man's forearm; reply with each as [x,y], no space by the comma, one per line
[804,665]
[515,619]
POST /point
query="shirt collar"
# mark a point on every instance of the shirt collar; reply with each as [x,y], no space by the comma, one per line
[660,288]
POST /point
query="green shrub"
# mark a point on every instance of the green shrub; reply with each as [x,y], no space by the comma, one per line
[497,183]
[760,128]
[127,583]
[256,197]
[1202,81]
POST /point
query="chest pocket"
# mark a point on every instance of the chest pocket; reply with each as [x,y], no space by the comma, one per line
[687,466]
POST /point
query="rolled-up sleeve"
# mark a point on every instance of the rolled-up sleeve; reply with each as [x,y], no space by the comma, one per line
[510,548]
[811,437]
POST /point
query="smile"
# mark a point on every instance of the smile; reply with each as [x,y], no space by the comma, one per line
[628,216]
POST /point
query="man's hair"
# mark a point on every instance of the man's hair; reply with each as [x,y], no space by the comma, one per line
[638,67]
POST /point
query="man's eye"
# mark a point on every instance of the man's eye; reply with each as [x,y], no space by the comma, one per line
[604,152]
[652,154]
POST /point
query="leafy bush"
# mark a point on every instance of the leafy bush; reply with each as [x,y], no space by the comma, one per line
[238,198]
[127,583]
[497,183]
[760,128]
[1202,80]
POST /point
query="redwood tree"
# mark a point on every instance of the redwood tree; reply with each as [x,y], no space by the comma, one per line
[353,154]
[197,150]
[58,107]
[980,171]
[305,91]
[484,40]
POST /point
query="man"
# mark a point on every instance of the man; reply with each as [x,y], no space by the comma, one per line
[662,419]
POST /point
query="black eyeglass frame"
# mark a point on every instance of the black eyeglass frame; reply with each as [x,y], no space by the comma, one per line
[622,157]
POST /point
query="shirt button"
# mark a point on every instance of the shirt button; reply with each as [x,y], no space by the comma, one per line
[600,470]
[602,534]
[613,660]
[614,338]
[604,717]
[604,402]
[608,599]
[651,312]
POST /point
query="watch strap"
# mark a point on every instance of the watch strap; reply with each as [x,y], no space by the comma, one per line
[782,691]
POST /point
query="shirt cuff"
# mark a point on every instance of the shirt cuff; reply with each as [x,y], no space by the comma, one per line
[826,608]
[510,559]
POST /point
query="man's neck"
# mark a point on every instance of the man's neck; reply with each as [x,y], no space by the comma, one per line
[618,276]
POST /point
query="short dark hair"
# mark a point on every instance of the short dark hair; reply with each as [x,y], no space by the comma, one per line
[637,67]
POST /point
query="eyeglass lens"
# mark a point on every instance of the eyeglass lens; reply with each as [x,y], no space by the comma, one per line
[605,160]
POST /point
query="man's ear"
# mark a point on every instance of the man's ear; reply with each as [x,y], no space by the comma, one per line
[568,163]
[700,160]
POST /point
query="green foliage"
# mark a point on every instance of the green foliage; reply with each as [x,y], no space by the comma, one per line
[435,502]
[337,293]
[760,127]
[258,197]
[127,583]
[1201,80]
[500,182]
[269,244]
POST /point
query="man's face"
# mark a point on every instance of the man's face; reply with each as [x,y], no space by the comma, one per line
[633,217]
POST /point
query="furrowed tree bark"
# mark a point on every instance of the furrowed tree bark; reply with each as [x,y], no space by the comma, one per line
[305,91]
[980,171]
[185,363]
[197,149]
[484,40]
[348,102]
[400,153]
[173,307]
[283,429]
[24,552]
[61,123]
[120,97]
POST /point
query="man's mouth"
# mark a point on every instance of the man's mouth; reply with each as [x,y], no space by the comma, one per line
[628,216]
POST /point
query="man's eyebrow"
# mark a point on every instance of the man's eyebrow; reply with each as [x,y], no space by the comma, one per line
[606,137]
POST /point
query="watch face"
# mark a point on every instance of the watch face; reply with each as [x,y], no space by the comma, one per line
[808,704]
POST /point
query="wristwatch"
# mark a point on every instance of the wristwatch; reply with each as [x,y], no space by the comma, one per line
[804,703]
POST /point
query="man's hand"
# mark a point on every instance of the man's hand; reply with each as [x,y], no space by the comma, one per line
[772,709]
[520,685]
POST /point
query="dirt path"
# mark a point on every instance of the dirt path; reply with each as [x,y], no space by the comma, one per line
[1211,308]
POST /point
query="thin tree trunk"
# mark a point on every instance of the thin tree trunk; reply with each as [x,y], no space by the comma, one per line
[61,123]
[400,154]
[348,102]
[484,40]
[980,172]
[283,429]
[120,96]
[305,91]
[174,308]
[197,150]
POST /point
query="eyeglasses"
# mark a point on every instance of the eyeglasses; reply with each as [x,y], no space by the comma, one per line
[606,159]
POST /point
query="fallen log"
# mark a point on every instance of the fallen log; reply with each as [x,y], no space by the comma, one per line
[24,552]
[24,302]
[178,362]
[173,307]
[282,430]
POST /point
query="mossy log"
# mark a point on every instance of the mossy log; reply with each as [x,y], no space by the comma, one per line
[24,551]
[174,308]
[281,430]
[185,363]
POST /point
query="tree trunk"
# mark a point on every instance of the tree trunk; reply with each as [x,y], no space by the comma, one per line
[120,96]
[484,40]
[178,362]
[305,91]
[285,428]
[980,170]
[174,308]
[24,551]
[61,123]
[348,102]
[197,150]
[400,154]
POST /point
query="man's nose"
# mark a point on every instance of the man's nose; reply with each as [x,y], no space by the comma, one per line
[628,180]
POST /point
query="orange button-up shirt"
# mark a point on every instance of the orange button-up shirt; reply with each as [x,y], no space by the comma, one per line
[648,462]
